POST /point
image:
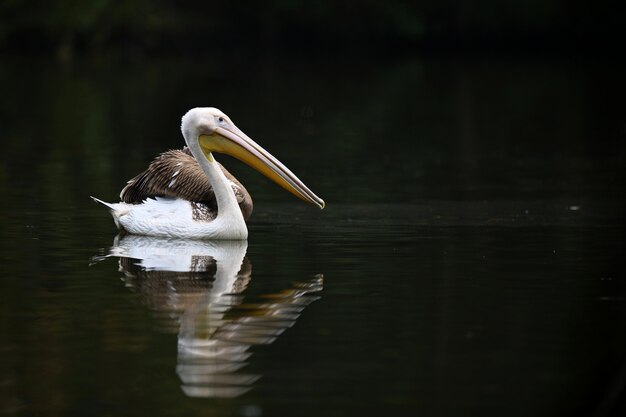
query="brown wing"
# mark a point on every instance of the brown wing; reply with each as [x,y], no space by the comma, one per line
[176,173]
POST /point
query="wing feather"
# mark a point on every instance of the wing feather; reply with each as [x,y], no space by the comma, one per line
[175,173]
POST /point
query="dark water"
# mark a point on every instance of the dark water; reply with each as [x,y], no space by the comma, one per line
[469,261]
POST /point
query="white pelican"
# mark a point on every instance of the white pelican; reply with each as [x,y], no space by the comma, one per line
[187,194]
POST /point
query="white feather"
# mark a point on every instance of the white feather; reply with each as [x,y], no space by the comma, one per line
[173,217]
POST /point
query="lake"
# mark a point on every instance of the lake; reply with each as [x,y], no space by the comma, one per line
[469,260]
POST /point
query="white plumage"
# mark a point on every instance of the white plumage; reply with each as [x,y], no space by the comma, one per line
[173,217]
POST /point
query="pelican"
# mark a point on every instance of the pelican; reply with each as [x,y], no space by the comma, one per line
[187,194]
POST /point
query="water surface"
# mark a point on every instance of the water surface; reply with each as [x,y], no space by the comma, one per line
[468,261]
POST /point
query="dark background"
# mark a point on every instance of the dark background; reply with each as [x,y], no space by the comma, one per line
[480,88]
[368,28]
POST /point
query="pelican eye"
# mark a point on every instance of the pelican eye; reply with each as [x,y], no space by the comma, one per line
[221,119]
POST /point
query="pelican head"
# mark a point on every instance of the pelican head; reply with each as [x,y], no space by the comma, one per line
[212,131]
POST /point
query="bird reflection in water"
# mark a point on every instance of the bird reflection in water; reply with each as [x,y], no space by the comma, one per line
[199,287]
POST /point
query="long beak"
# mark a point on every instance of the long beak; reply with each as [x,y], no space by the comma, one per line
[234,142]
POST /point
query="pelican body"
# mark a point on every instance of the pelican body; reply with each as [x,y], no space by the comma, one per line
[187,194]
